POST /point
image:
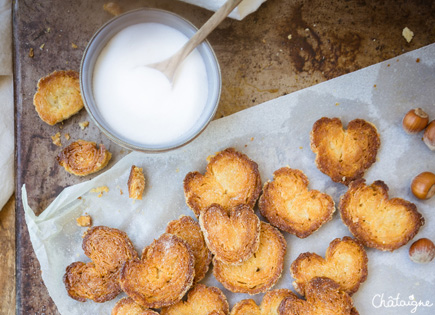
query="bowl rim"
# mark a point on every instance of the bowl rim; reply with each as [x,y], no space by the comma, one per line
[143,148]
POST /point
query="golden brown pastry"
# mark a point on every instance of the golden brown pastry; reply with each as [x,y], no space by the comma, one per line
[188,229]
[163,274]
[58,96]
[201,300]
[344,155]
[82,158]
[83,281]
[136,183]
[287,204]
[231,178]
[232,237]
[377,221]
[260,272]
[98,280]
[323,296]
[126,306]
[269,305]
[345,262]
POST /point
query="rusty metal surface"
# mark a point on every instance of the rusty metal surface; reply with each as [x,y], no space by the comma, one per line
[258,58]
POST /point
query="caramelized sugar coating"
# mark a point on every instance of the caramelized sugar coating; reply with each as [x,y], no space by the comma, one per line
[269,305]
[136,183]
[344,155]
[82,158]
[58,96]
[83,281]
[188,229]
[127,306]
[323,296]
[232,237]
[108,248]
[377,221]
[98,280]
[231,178]
[162,276]
[345,262]
[287,203]
[201,300]
[260,272]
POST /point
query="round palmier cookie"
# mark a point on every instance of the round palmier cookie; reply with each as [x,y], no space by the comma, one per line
[163,274]
[323,296]
[127,306]
[83,281]
[377,221]
[260,272]
[269,305]
[231,178]
[108,248]
[82,158]
[234,236]
[201,300]
[287,203]
[345,262]
[189,230]
[58,96]
[344,155]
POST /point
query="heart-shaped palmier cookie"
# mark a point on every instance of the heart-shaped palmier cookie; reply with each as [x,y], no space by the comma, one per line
[190,231]
[287,203]
[109,249]
[345,262]
[344,155]
[201,300]
[231,178]
[377,221]
[269,305]
[323,296]
[234,236]
[163,274]
[260,272]
[127,306]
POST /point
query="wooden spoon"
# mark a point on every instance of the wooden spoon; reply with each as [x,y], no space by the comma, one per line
[170,65]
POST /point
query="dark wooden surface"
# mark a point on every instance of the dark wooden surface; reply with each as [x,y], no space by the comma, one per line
[258,60]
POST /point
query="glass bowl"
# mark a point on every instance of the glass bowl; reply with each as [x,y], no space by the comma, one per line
[99,41]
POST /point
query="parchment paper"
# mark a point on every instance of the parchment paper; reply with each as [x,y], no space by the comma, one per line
[274,134]
[243,9]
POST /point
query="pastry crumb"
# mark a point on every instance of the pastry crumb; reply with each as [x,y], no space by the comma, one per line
[83,124]
[42,46]
[289,36]
[112,8]
[407,34]
[136,183]
[100,190]
[31,53]
[84,220]
[74,46]
[56,139]
[67,137]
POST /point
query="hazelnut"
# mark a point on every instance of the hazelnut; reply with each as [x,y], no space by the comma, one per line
[423,185]
[429,135]
[422,251]
[415,121]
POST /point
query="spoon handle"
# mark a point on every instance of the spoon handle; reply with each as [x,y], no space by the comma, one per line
[205,30]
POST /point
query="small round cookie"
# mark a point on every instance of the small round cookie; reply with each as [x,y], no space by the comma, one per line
[287,203]
[126,306]
[82,158]
[260,272]
[269,305]
[58,96]
[163,274]
[231,178]
[189,230]
[345,262]
[377,221]
[232,237]
[201,300]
